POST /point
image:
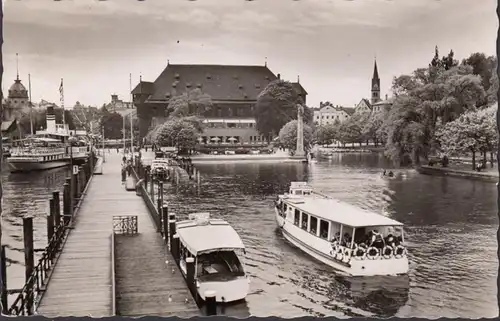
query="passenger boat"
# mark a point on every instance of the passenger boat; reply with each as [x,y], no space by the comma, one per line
[160,168]
[216,249]
[355,241]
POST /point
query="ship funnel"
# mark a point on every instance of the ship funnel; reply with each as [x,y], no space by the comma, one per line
[51,119]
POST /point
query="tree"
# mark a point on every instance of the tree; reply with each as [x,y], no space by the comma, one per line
[87,118]
[371,128]
[473,131]
[325,134]
[277,105]
[113,125]
[176,132]
[351,130]
[193,102]
[288,136]
[39,118]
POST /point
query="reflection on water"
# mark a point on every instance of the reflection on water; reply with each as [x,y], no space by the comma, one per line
[450,226]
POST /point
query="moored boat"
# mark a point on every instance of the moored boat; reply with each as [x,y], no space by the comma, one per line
[217,251]
[355,241]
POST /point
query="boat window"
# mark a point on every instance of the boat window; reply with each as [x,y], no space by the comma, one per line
[307,192]
[298,192]
[284,207]
[314,225]
[296,217]
[323,229]
[304,221]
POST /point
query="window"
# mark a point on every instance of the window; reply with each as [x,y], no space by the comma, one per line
[324,226]
[284,207]
[314,225]
[304,221]
[296,217]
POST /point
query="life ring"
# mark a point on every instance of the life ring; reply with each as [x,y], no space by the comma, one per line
[387,252]
[372,253]
[346,255]
[359,253]
[339,255]
[399,252]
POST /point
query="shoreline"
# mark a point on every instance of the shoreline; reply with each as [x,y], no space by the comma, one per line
[439,171]
[197,159]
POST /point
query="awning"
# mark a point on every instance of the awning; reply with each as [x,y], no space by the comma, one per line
[218,235]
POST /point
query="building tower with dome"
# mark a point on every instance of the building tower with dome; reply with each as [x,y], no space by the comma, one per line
[17,101]
[375,85]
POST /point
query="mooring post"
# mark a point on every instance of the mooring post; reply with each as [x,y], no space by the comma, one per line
[172,230]
[174,248]
[190,275]
[211,302]
[74,193]
[67,208]
[146,181]
[4,295]
[152,189]
[50,220]
[57,210]
[29,261]
[160,197]
[164,219]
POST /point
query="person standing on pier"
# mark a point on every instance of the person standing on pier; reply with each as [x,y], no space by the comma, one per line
[124,172]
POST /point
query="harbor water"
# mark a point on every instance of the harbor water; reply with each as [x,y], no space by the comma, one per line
[450,223]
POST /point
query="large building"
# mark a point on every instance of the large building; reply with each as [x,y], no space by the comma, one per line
[16,103]
[328,114]
[233,91]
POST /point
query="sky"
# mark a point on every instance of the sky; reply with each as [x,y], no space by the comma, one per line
[331,44]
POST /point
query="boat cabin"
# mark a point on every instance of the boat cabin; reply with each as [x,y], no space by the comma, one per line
[214,245]
[300,188]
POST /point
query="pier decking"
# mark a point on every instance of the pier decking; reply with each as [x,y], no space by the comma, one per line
[82,283]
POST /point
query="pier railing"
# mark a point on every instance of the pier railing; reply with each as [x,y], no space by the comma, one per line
[59,223]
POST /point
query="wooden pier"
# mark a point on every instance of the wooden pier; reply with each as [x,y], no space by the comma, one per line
[83,281]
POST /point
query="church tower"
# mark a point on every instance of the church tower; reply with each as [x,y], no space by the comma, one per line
[375,85]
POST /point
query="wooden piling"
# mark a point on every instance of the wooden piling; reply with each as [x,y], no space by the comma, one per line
[74,190]
[3,265]
[29,261]
[172,231]
[50,220]
[164,220]
[190,275]
[210,303]
[57,209]
[174,248]
[67,208]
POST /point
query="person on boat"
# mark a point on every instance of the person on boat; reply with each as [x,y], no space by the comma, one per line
[391,174]
[377,239]
[390,239]
[384,173]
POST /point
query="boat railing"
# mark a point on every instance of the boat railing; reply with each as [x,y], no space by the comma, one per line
[32,151]
[346,253]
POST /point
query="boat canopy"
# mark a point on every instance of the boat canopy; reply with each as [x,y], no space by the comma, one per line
[212,236]
[340,212]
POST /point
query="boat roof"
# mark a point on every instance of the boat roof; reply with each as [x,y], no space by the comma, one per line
[210,236]
[340,212]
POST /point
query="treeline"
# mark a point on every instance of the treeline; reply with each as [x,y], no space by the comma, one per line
[430,109]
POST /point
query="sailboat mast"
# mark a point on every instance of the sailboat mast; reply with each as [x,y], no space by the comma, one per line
[31,105]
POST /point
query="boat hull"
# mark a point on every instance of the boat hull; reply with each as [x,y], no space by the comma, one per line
[321,252]
[20,166]
[226,291]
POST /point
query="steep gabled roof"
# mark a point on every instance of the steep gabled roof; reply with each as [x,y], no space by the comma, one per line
[298,87]
[8,126]
[221,82]
[349,110]
[144,87]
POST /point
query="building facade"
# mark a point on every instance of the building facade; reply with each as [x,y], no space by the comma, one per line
[233,91]
[328,114]
[117,105]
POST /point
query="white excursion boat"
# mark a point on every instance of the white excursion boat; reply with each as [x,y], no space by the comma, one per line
[347,238]
[216,249]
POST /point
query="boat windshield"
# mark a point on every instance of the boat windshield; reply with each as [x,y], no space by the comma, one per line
[219,266]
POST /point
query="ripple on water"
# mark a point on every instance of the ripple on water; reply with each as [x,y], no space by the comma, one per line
[451,226]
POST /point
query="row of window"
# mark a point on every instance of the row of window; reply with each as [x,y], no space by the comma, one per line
[310,223]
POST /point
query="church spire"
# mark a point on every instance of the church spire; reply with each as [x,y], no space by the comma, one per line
[375,84]
[375,70]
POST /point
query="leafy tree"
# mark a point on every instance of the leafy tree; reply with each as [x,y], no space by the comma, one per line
[288,136]
[113,125]
[190,103]
[276,105]
[351,130]
[39,119]
[326,134]
[86,118]
[473,131]
[176,132]
[371,129]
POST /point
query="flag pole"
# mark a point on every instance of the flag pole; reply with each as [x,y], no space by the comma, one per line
[61,91]
[131,122]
